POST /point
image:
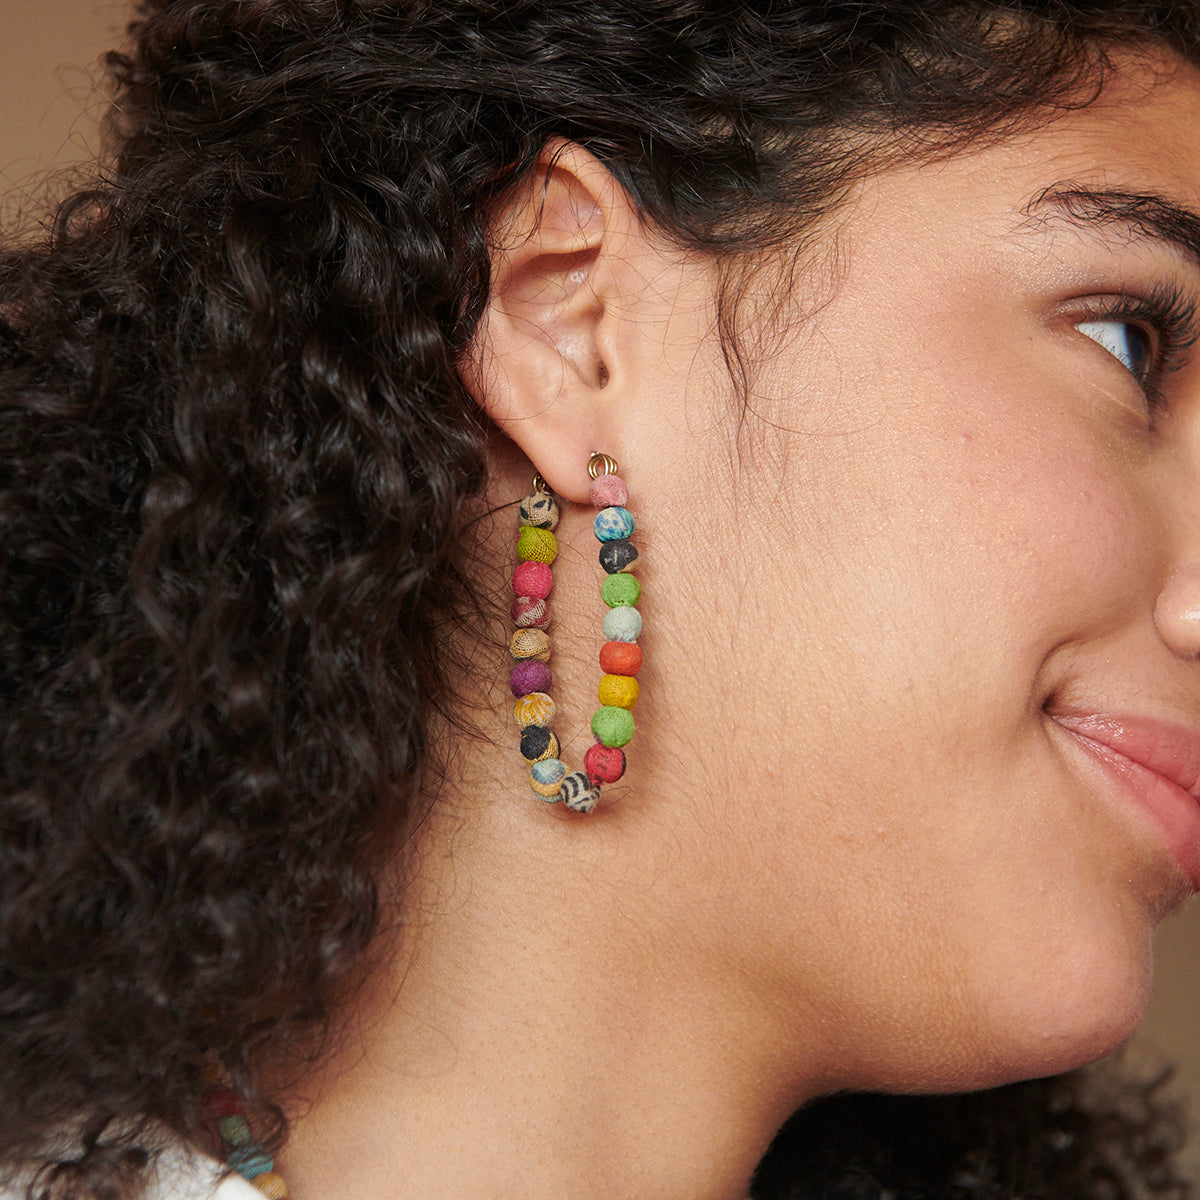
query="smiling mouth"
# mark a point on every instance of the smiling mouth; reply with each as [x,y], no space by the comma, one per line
[1159,765]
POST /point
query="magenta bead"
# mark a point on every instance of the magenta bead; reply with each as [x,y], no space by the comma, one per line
[608,491]
[533,579]
[529,676]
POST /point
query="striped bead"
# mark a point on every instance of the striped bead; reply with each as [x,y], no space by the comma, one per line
[578,792]
[271,1185]
[613,524]
[535,709]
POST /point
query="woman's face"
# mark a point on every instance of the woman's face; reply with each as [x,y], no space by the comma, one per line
[955,562]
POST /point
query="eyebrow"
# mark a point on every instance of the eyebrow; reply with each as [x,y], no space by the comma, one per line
[1144,214]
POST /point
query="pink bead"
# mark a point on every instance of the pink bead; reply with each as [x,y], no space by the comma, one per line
[528,613]
[529,676]
[533,579]
[608,491]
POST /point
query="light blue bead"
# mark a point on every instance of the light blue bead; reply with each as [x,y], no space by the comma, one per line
[548,772]
[250,1161]
[613,524]
[623,624]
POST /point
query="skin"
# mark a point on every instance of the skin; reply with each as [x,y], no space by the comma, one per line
[853,847]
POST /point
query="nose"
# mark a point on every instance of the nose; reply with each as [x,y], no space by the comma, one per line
[1177,611]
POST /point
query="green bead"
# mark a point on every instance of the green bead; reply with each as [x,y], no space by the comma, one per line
[536,545]
[613,726]
[234,1130]
[620,590]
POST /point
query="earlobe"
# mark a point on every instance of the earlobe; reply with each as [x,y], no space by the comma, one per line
[543,358]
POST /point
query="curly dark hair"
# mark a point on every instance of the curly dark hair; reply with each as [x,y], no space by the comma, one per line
[236,459]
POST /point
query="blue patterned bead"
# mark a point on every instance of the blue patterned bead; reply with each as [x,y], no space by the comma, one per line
[613,524]
[546,776]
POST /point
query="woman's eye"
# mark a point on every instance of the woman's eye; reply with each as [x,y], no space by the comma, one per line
[1125,341]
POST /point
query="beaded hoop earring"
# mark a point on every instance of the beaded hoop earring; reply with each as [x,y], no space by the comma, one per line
[620,657]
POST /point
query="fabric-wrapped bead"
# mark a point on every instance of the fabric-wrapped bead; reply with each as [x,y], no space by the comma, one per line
[535,709]
[604,764]
[620,658]
[530,643]
[533,579]
[539,511]
[613,524]
[620,555]
[613,726]
[619,591]
[220,1103]
[536,545]
[538,743]
[622,624]
[578,792]
[546,776]
[617,691]
[250,1161]
[532,676]
[529,612]
[608,491]
[271,1185]
[234,1130]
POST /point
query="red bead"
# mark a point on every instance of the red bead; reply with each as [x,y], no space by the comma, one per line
[221,1103]
[533,579]
[604,764]
[621,658]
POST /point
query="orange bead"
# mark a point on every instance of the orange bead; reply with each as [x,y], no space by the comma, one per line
[621,658]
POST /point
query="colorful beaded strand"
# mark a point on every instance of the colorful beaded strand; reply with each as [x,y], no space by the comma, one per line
[226,1117]
[620,658]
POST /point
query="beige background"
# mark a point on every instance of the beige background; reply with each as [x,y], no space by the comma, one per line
[49,51]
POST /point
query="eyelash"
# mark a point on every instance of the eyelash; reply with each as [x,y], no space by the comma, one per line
[1170,319]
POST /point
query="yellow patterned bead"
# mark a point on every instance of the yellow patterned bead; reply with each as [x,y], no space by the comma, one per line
[271,1185]
[530,643]
[535,709]
[536,545]
[618,691]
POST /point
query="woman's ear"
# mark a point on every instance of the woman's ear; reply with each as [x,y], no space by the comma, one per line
[549,360]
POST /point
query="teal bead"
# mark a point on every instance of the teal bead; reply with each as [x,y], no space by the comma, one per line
[620,591]
[250,1161]
[546,776]
[622,624]
[613,524]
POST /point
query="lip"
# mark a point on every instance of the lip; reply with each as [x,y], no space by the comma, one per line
[1159,764]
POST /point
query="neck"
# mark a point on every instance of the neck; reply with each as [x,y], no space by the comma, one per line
[551,1028]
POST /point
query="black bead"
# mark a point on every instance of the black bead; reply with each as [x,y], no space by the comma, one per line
[535,741]
[616,556]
